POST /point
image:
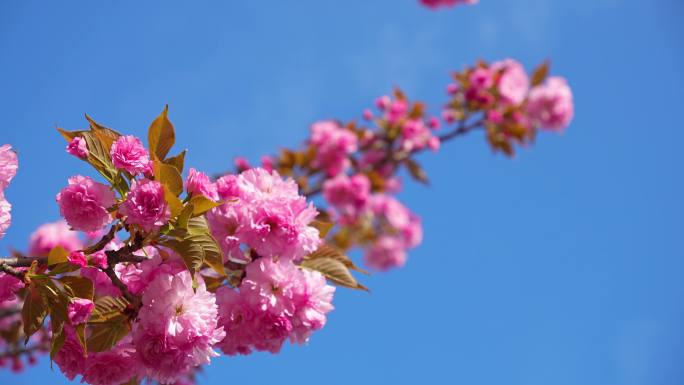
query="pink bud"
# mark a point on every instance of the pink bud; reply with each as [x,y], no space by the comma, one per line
[382,102]
[77,258]
[452,88]
[367,114]
[79,310]
[78,148]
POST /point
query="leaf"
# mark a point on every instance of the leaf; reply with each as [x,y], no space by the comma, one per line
[81,336]
[80,287]
[33,312]
[98,154]
[62,268]
[168,175]
[58,339]
[539,74]
[105,135]
[105,335]
[335,271]
[184,216]
[416,171]
[57,255]
[107,308]
[213,283]
[175,204]
[332,252]
[202,204]
[322,226]
[198,247]
[177,161]
[161,135]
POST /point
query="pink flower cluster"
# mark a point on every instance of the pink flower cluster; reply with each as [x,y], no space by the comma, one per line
[84,203]
[129,154]
[275,302]
[414,132]
[434,4]
[550,104]
[8,169]
[145,205]
[333,145]
[264,212]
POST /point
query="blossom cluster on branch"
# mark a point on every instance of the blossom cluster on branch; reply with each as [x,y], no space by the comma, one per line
[150,275]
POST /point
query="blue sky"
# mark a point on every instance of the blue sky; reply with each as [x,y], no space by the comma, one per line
[562,266]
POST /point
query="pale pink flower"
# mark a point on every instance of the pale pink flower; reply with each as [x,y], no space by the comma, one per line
[113,367]
[79,310]
[49,235]
[550,104]
[84,203]
[513,83]
[224,222]
[177,327]
[313,300]
[349,195]
[9,285]
[333,146]
[8,165]
[78,148]
[129,154]
[237,317]
[386,253]
[227,187]
[198,183]
[77,258]
[5,215]
[146,206]
[270,285]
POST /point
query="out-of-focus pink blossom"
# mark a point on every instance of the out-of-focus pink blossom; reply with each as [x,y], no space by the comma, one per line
[129,154]
[550,104]
[84,203]
[241,164]
[434,4]
[513,83]
[386,253]
[8,165]
[8,287]
[49,235]
[99,259]
[267,163]
[113,367]
[198,183]
[78,148]
[349,195]
[5,215]
[79,310]
[333,145]
[145,205]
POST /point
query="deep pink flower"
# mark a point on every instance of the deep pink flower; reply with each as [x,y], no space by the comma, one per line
[550,104]
[415,135]
[513,83]
[78,148]
[9,285]
[198,183]
[267,163]
[333,145]
[386,253]
[84,203]
[99,259]
[5,215]
[8,165]
[349,195]
[103,285]
[237,317]
[49,235]
[70,358]
[129,154]
[77,258]
[177,327]
[79,309]
[146,206]
[113,367]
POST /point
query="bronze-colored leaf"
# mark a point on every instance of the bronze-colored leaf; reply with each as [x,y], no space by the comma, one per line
[329,251]
[416,171]
[107,308]
[80,287]
[57,255]
[105,135]
[33,312]
[539,74]
[322,226]
[335,271]
[161,135]
[175,204]
[105,335]
[168,175]
[202,204]
[177,161]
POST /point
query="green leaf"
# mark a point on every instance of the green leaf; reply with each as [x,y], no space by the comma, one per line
[177,161]
[202,204]
[80,287]
[105,335]
[539,74]
[108,308]
[57,255]
[161,135]
[168,175]
[34,311]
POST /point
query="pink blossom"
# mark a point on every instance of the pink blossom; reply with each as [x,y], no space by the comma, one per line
[481,81]
[513,83]
[452,88]
[5,215]
[313,300]
[49,235]
[78,148]
[177,327]
[198,183]
[415,135]
[397,110]
[129,154]
[77,258]
[333,145]
[9,285]
[386,253]
[241,164]
[382,102]
[367,114]
[238,319]
[8,165]
[84,203]
[267,163]
[70,358]
[348,195]
[550,104]
[99,259]
[271,285]
[137,276]
[79,309]
[113,367]
[103,285]
[146,206]
[224,222]
[434,4]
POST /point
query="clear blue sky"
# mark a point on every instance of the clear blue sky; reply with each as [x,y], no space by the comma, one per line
[560,267]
